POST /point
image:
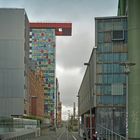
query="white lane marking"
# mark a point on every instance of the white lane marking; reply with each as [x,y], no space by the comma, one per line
[61,134]
[74,137]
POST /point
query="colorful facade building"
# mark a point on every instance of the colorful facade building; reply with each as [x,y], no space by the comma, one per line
[42,54]
[36,93]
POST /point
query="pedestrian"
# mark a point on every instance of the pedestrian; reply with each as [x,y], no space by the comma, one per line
[88,131]
[94,137]
[84,136]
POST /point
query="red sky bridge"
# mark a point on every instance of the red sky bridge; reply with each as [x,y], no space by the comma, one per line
[61,29]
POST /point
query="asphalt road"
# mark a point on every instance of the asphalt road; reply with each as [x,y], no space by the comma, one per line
[59,134]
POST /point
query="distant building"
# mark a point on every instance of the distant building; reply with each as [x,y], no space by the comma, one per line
[59,116]
[14,40]
[36,93]
[103,89]
[58,106]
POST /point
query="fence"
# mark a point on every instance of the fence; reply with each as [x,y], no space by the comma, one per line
[18,128]
[27,134]
[107,134]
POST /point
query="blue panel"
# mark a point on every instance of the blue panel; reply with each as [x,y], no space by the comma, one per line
[109,54]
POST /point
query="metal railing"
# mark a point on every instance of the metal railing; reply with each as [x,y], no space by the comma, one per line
[86,133]
[106,134]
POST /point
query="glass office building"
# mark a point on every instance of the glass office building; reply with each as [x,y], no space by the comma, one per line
[111,42]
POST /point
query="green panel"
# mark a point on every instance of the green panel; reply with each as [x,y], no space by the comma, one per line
[134,76]
[121,7]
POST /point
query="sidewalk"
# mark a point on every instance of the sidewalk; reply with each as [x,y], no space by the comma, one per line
[46,134]
[77,136]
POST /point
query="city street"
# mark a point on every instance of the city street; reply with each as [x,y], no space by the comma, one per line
[69,70]
[59,134]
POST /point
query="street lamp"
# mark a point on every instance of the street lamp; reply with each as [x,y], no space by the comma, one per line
[94,73]
[78,104]
[127,66]
[88,64]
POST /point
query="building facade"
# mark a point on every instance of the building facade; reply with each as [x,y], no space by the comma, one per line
[131,9]
[36,93]
[59,113]
[111,84]
[13,45]
[58,106]
[42,54]
[102,94]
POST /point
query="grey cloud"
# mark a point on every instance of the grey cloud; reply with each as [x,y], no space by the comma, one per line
[76,51]
[69,88]
[66,10]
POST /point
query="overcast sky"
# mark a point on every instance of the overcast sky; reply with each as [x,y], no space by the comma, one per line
[73,51]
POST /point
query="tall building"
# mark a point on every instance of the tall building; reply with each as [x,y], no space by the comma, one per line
[102,94]
[14,41]
[111,83]
[42,53]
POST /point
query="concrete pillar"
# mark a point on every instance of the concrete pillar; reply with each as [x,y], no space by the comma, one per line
[134,75]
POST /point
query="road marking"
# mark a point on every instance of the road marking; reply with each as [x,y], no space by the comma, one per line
[61,134]
[74,137]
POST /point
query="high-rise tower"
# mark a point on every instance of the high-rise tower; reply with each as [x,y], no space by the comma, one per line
[42,54]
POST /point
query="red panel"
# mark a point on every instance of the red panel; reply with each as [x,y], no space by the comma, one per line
[50,25]
[66,28]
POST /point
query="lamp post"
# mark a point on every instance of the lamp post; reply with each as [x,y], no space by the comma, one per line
[78,113]
[94,73]
[88,64]
[127,66]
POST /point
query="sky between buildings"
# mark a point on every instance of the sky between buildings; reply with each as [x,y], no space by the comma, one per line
[72,51]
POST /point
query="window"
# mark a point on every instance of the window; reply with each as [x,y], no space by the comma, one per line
[30,55]
[30,33]
[60,30]
[117,89]
[118,35]
[107,36]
